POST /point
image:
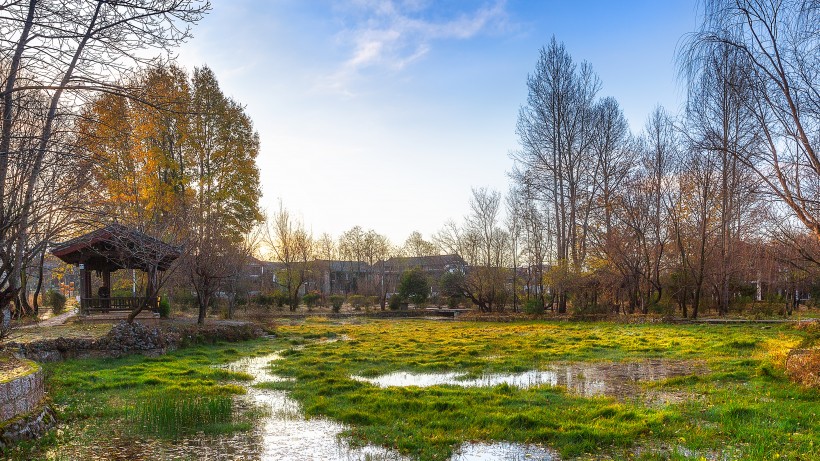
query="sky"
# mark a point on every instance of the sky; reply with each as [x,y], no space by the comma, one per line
[384,114]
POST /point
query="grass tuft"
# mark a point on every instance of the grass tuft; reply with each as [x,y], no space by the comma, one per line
[170,416]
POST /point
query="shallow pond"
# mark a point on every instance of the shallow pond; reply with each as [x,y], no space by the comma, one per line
[286,435]
[587,379]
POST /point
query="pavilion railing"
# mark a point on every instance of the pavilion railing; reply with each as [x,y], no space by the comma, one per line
[124,304]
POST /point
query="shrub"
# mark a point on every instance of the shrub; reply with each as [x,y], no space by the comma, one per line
[184,299]
[395,302]
[273,298]
[803,366]
[454,301]
[762,310]
[357,301]
[336,302]
[55,300]
[533,306]
[311,299]
[164,307]
[281,298]
[265,299]
[414,286]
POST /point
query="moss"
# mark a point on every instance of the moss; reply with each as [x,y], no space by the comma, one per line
[21,368]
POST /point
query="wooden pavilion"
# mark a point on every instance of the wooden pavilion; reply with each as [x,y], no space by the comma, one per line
[109,249]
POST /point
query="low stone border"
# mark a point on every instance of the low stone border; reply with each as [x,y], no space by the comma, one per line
[22,394]
[135,338]
[24,411]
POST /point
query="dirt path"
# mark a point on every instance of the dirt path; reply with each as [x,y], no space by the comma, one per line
[53,321]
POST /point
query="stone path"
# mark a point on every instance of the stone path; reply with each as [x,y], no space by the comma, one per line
[53,321]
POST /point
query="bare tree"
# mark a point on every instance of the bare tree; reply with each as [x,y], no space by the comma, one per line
[556,135]
[416,246]
[293,247]
[719,120]
[777,42]
[483,245]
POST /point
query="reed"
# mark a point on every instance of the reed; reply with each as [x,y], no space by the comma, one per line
[169,415]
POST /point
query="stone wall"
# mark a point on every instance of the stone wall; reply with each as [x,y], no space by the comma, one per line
[27,427]
[24,410]
[136,338]
[22,395]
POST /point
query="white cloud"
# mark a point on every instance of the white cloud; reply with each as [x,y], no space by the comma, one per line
[390,35]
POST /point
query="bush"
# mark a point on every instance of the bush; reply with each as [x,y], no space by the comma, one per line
[164,307]
[336,302]
[272,298]
[357,301]
[281,298]
[311,299]
[533,306]
[762,310]
[265,299]
[414,286]
[55,300]
[803,366]
[454,301]
[184,299]
[395,302]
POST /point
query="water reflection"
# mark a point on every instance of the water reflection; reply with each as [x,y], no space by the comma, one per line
[586,379]
[502,451]
[287,435]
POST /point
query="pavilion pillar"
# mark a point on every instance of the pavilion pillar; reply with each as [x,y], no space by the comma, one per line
[85,286]
[106,273]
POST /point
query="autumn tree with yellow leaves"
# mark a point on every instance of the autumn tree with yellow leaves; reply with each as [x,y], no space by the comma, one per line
[178,160]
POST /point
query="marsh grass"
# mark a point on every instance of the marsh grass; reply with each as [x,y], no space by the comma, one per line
[171,416]
[741,406]
[133,399]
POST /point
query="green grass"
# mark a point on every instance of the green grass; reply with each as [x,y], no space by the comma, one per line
[743,406]
[170,416]
[133,399]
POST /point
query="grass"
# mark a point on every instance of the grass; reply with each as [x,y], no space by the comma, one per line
[108,405]
[744,406]
[165,415]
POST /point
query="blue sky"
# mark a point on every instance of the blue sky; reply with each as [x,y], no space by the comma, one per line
[384,114]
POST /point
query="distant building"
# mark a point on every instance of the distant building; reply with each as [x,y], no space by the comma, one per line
[338,277]
[433,266]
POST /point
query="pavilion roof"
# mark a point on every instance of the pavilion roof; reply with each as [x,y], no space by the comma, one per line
[117,247]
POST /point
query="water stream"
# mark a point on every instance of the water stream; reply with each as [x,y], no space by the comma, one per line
[287,435]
